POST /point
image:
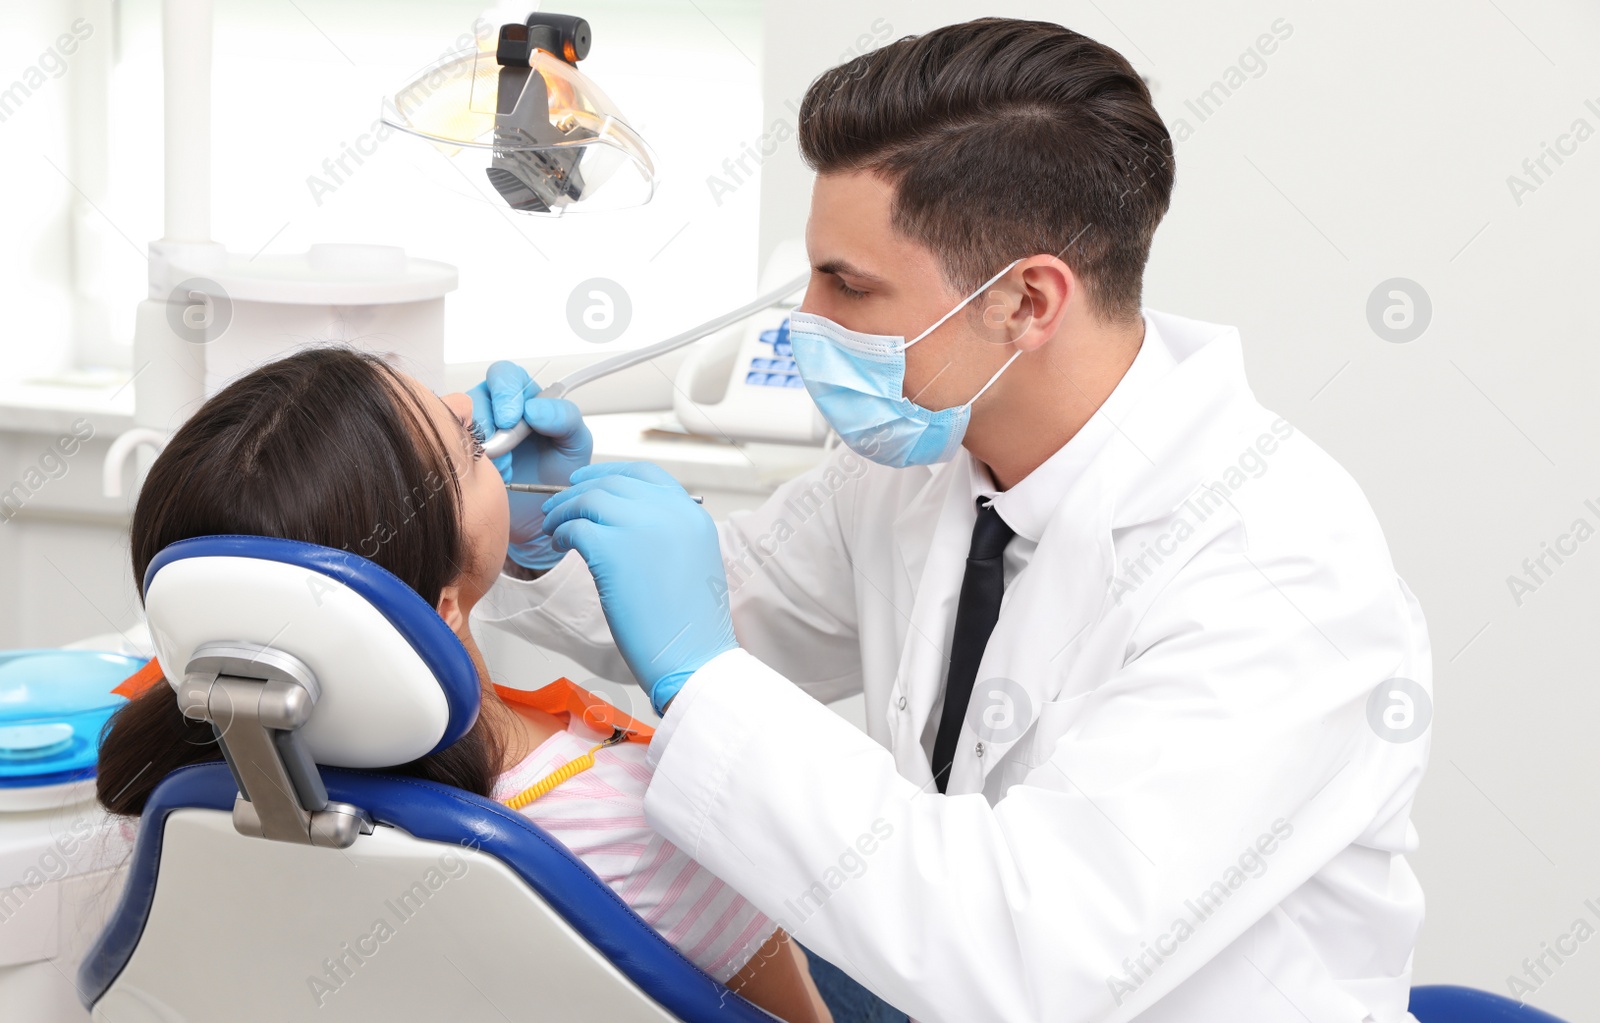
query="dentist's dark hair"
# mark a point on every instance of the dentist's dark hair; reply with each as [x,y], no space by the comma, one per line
[323,446]
[1004,139]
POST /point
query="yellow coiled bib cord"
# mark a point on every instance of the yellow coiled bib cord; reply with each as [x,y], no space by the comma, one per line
[575,766]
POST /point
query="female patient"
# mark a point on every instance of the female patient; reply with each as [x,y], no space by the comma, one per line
[332,447]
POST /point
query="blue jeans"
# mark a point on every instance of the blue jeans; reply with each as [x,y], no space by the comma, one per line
[848,1001]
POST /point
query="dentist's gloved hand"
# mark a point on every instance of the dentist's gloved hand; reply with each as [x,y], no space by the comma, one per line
[654,556]
[560,443]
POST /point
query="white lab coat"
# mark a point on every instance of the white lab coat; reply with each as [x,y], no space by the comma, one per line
[1192,821]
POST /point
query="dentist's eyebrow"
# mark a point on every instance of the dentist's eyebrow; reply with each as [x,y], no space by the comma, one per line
[840,266]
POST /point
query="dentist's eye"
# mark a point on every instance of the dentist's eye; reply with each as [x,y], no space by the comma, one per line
[847,291]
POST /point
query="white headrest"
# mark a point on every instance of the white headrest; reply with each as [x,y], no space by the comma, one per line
[381,703]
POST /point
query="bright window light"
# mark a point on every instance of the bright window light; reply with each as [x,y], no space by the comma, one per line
[299,157]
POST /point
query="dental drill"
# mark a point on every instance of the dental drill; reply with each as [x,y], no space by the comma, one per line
[504,440]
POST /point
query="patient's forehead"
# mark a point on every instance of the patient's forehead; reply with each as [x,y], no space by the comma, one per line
[445,412]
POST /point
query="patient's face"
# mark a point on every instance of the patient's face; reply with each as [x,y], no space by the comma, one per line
[485,512]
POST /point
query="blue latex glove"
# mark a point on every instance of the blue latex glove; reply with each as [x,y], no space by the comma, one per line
[654,556]
[560,443]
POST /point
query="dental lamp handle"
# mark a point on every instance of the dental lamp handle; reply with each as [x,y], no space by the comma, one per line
[504,440]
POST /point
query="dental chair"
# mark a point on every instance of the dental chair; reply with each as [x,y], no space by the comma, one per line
[296,880]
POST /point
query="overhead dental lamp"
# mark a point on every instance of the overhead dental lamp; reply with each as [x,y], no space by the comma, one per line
[526,119]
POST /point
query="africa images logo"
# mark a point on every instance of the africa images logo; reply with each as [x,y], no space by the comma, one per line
[1250,864]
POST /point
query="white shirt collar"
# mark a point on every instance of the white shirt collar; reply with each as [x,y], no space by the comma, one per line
[1028,507]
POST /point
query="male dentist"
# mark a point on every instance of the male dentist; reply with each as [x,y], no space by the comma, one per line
[1146,701]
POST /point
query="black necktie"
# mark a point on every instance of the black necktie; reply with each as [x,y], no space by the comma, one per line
[976,613]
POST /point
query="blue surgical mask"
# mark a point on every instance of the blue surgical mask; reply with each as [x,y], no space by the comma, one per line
[858,380]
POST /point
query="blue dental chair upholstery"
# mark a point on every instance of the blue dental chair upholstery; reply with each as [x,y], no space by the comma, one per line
[296,880]
[1448,1003]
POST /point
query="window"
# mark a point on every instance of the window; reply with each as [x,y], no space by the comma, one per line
[297,86]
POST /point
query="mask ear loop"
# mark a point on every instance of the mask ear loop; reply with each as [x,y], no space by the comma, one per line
[962,305]
[996,376]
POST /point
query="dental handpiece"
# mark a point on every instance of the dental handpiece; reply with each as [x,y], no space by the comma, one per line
[503,441]
[556,488]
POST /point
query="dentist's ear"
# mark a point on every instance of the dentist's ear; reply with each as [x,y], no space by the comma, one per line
[1047,286]
[450,607]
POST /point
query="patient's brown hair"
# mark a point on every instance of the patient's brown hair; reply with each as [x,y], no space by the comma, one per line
[328,446]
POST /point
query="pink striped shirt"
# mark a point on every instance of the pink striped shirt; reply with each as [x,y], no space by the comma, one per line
[599,815]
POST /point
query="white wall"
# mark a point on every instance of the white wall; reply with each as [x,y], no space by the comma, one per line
[1377,144]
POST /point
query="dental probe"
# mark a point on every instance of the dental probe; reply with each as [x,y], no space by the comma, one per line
[556,488]
[504,440]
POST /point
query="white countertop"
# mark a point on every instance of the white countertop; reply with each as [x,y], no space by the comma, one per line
[50,404]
